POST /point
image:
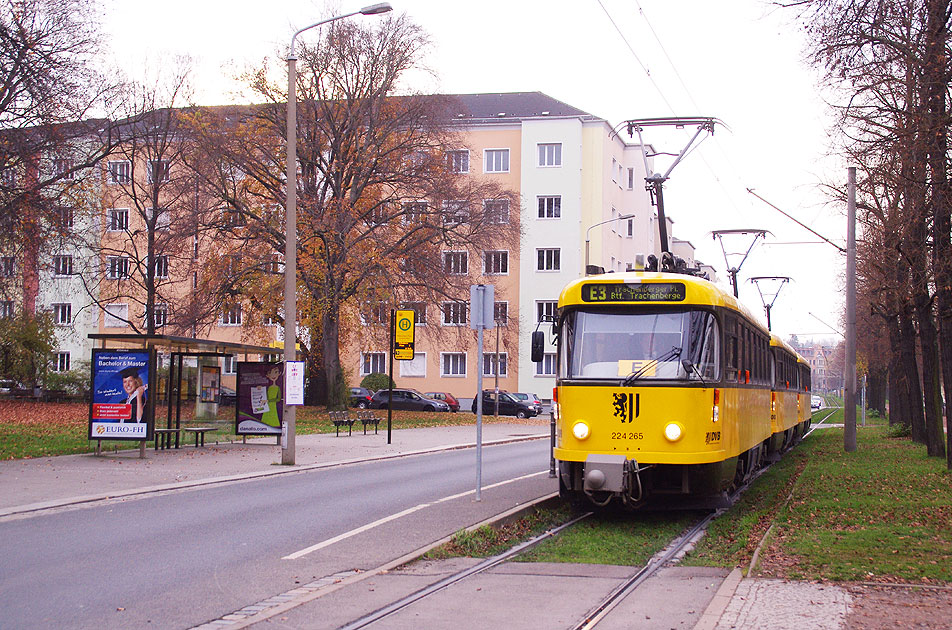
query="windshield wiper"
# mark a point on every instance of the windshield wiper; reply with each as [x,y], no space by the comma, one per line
[673,353]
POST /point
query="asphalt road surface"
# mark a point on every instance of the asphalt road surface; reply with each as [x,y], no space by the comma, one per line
[178,559]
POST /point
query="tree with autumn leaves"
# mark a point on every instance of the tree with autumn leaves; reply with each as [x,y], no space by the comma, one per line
[887,66]
[379,200]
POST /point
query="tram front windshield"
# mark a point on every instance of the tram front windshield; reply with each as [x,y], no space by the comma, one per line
[655,345]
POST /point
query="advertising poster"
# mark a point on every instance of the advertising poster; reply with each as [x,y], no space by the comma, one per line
[120,406]
[211,378]
[260,391]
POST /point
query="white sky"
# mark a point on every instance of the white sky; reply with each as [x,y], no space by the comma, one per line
[740,60]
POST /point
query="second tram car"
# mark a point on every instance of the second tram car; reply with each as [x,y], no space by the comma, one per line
[664,388]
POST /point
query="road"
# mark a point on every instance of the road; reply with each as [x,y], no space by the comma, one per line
[178,559]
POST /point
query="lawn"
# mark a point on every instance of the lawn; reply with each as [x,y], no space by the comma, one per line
[34,429]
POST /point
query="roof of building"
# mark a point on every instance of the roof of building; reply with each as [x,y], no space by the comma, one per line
[514,105]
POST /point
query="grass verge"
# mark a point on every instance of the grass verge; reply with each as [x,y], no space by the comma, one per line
[35,429]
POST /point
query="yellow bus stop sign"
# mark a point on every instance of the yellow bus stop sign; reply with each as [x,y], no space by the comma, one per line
[403,335]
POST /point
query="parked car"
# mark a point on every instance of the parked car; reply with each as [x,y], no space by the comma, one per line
[408,399]
[227,396]
[508,406]
[816,402]
[530,399]
[8,387]
[446,397]
[360,397]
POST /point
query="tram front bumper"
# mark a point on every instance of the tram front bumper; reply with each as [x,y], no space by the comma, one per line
[604,473]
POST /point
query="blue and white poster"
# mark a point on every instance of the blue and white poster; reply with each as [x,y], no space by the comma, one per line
[120,406]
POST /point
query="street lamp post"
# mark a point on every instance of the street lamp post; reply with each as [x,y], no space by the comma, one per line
[290,244]
[589,231]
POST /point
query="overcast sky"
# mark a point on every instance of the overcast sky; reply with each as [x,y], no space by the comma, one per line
[737,60]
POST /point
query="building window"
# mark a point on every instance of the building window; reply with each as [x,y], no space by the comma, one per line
[120,172]
[453,364]
[631,228]
[414,212]
[158,171]
[116,316]
[546,367]
[62,167]
[118,267]
[495,263]
[497,160]
[550,207]
[458,161]
[375,314]
[8,177]
[455,213]
[491,361]
[63,314]
[161,266]
[456,263]
[550,154]
[631,179]
[163,219]
[160,315]
[548,259]
[454,313]
[65,216]
[7,267]
[501,313]
[419,308]
[118,219]
[62,265]
[231,365]
[496,210]
[61,362]
[373,362]
[414,367]
[546,310]
[233,218]
[231,315]
[6,309]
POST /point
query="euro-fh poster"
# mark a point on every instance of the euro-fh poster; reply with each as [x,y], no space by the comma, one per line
[259,407]
[121,406]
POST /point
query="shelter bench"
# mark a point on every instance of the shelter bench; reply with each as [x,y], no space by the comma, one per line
[368,417]
[163,438]
[199,434]
[340,419]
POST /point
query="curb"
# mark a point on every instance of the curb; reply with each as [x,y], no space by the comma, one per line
[78,500]
[712,614]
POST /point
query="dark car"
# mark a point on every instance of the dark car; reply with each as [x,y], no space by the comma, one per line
[360,397]
[508,406]
[530,399]
[446,397]
[407,399]
[227,396]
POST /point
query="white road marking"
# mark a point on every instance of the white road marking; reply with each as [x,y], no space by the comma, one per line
[392,517]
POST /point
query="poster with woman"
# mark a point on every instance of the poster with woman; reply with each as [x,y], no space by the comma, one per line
[259,409]
[120,406]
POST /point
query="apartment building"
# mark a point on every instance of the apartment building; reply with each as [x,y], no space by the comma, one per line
[582,190]
[582,201]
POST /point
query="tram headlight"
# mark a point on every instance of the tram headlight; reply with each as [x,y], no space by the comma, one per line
[581,430]
[673,431]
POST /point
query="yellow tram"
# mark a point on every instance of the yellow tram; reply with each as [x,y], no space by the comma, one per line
[663,388]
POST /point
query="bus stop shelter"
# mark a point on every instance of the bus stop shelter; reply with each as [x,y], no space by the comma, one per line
[179,349]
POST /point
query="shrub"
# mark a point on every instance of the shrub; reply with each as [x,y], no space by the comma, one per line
[376,381]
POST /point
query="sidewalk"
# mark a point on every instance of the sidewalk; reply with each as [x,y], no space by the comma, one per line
[32,484]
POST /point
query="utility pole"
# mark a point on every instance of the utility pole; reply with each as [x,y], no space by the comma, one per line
[849,402]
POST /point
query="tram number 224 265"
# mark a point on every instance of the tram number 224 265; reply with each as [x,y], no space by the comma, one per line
[627,435]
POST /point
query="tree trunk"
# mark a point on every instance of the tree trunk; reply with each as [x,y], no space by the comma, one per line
[909,377]
[898,412]
[330,337]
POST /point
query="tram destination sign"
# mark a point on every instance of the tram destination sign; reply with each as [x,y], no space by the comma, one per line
[634,292]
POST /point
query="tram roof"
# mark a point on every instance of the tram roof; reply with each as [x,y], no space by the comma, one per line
[698,291]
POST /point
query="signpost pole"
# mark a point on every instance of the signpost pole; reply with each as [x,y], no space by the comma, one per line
[393,325]
[481,309]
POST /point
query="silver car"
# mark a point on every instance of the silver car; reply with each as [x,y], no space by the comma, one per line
[530,399]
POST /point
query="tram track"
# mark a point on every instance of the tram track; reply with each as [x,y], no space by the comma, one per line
[598,612]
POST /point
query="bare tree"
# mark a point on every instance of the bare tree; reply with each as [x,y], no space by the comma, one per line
[380,201]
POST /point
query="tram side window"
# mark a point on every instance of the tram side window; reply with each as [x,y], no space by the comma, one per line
[731,351]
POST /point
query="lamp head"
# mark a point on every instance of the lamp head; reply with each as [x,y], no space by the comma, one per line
[374,9]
